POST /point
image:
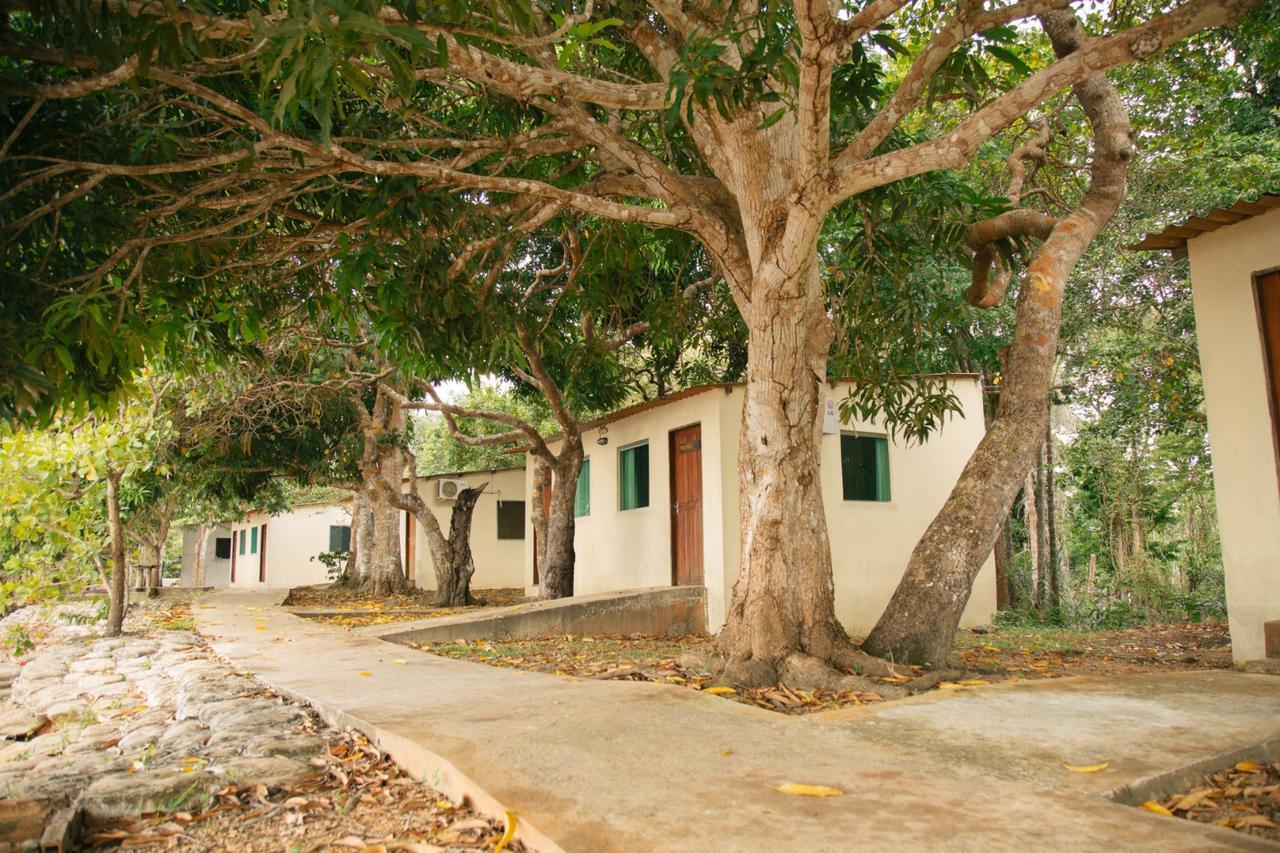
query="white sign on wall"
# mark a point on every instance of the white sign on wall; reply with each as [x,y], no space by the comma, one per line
[830,416]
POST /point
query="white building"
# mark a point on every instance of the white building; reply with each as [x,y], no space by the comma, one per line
[1235,286]
[264,551]
[658,500]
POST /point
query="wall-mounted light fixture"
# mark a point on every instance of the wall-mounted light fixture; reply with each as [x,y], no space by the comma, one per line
[604,438]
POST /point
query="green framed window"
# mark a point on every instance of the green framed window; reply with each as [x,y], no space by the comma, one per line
[582,495]
[633,476]
[253,539]
[243,541]
[511,517]
[864,467]
[339,537]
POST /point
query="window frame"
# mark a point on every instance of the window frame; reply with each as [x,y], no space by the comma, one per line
[582,491]
[244,540]
[880,452]
[253,539]
[622,485]
[524,532]
[344,536]
[230,547]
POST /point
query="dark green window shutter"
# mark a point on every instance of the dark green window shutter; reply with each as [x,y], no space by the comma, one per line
[582,497]
[633,477]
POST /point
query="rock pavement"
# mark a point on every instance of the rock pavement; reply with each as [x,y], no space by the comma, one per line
[102,728]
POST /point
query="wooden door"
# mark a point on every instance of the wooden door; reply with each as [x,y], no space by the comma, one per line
[235,542]
[546,512]
[686,506]
[1269,318]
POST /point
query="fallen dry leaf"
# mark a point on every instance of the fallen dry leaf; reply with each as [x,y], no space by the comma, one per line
[797,790]
[1087,768]
[1153,806]
[719,691]
[507,833]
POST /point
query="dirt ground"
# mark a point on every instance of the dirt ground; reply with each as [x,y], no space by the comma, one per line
[353,608]
[357,800]
[1244,797]
[993,655]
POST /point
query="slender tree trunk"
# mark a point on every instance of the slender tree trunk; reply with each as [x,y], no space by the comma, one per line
[362,534]
[783,603]
[119,571]
[1091,581]
[1051,520]
[1005,595]
[202,555]
[541,481]
[556,570]
[1032,515]
[1045,559]
[920,622]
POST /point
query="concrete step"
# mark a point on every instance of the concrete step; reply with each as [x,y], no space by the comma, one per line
[1266,666]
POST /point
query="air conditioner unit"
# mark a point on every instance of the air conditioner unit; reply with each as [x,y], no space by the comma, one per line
[448,490]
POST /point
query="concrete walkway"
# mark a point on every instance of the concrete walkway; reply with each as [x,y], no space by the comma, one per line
[605,766]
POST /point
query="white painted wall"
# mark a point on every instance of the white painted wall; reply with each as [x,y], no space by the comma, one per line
[217,573]
[1241,431]
[294,539]
[499,562]
[870,541]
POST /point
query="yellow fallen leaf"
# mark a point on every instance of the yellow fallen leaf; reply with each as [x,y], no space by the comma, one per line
[1191,800]
[972,682]
[506,836]
[261,627]
[809,790]
[895,679]
[719,691]
[1248,766]
[1153,806]
[443,804]
[990,649]
[399,660]
[366,673]
[1087,768]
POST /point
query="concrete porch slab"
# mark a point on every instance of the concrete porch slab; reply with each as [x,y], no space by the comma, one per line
[609,766]
[669,611]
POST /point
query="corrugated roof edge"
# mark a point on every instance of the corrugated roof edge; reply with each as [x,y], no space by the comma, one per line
[1175,236]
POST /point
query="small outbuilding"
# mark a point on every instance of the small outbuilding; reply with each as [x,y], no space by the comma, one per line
[657,500]
[262,551]
[1235,286]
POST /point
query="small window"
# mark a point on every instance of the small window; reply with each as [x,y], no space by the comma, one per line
[633,477]
[244,538]
[253,539]
[510,519]
[864,467]
[339,537]
[582,497]
[222,548]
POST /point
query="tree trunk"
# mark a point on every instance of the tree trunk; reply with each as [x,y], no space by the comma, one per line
[1045,559]
[1004,599]
[356,569]
[202,555]
[920,622]
[783,602]
[1091,581]
[1051,520]
[386,574]
[119,571]
[453,585]
[541,481]
[1031,514]
[556,569]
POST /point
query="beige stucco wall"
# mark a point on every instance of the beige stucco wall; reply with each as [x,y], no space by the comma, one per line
[870,541]
[217,573]
[1223,263]
[618,549]
[499,562]
[294,539]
